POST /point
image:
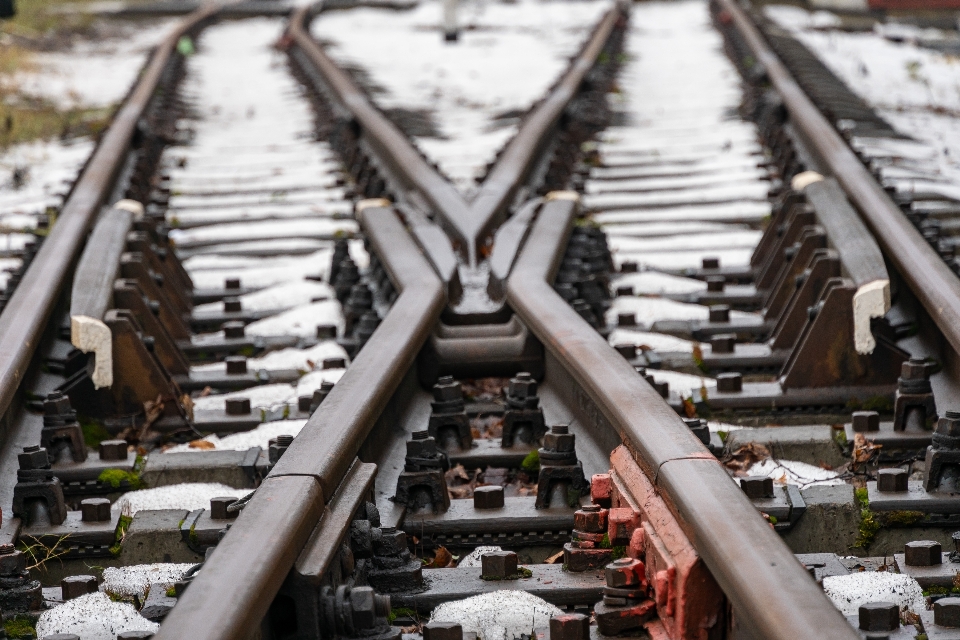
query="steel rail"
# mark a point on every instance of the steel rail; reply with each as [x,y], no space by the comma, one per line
[928,276]
[468,222]
[27,314]
[232,593]
[770,591]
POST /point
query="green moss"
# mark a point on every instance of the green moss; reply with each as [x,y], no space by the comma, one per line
[402,612]
[899,518]
[122,525]
[172,592]
[116,477]
[193,534]
[523,572]
[921,636]
[247,351]
[185,46]
[936,591]
[20,627]
[605,542]
[773,519]
[531,464]
[880,404]
[869,525]
[620,551]
[723,436]
[93,432]
[840,437]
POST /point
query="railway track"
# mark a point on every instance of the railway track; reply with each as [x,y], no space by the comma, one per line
[674,362]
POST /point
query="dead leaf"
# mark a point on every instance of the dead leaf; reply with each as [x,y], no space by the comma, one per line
[745,457]
[206,391]
[441,559]
[689,409]
[864,450]
[555,558]
[202,444]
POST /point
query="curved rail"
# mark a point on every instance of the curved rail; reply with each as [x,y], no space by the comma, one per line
[238,582]
[925,272]
[468,222]
[770,591]
[26,316]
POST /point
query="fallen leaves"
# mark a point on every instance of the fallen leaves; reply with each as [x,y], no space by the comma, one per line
[442,559]
[864,450]
[745,457]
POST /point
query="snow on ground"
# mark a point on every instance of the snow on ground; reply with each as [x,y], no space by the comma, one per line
[848,592]
[259,437]
[794,472]
[189,496]
[916,89]
[93,617]
[508,55]
[135,580]
[500,615]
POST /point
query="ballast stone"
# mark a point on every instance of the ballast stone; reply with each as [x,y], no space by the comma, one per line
[848,592]
[93,617]
[501,615]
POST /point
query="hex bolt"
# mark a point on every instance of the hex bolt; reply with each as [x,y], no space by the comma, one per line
[498,565]
[720,313]
[218,508]
[303,403]
[710,263]
[629,266]
[591,518]
[447,390]
[626,319]
[892,480]
[12,562]
[723,342]
[231,283]
[923,553]
[489,497]
[95,510]
[76,586]
[624,290]
[238,406]
[622,574]
[716,284]
[757,488]
[627,350]
[730,382]
[334,363]
[232,305]
[879,616]
[236,365]
[233,329]
[569,626]
[946,612]
[866,421]
[326,332]
[33,457]
[113,450]
[438,630]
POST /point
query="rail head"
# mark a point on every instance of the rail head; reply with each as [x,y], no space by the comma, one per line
[770,591]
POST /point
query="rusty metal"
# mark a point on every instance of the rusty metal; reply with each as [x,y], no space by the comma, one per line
[231,597]
[26,315]
[767,587]
[930,279]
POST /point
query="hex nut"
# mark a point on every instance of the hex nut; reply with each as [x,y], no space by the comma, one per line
[303,403]
[723,342]
[627,349]
[233,329]
[590,519]
[218,508]
[629,266]
[716,284]
[624,290]
[76,586]
[757,488]
[447,389]
[730,382]
[438,630]
[363,607]
[489,497]
[13,563]
[522,386]
[326,332]
[238,406]
[559,439]
[720,313]
[570,626]
[33,457]
[892,480]
[949,424]
[622,573]
[710,263]
[95,510]
[498,565]
[914,369]
[866,421]
[946,612]
[232,305]
[879,616]
[113,450]
[627,319]
[923,553]
[231,283]
[236,365]
[334,363]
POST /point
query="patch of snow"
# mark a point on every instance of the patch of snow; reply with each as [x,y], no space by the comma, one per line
[135,580]
[301,321]
[259,437]
[848,592]
[683,383]
[472,559]
[267,396]
[501,615]
[93,616]
[660,342]
[654,283]
[794,472]
[189,496]
[649,310]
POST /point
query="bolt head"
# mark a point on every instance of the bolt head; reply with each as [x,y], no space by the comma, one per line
[35,458]
[866,421]
[489,497]
[923,553]
[95,510]
[218,508]
[438,630]
[570,626]
[13,564]
[76,586]
[720,313]
[592,521]
[757,488]
[364,607]
[946,612]
[730,382]
[236,365]
[498,565]
[879,616]
[716,283]
[326,332]
[232,305]
[949,425]
[710,263]
[447,389]
[560,442]
[892,480]
[233,329]
[522,386]
[723,342]
[238,406]
[914,369]
[113,450]
[623,573]
[627,319]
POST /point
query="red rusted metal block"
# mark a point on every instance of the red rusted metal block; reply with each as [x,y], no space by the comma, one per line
[601,486]
[689,601]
